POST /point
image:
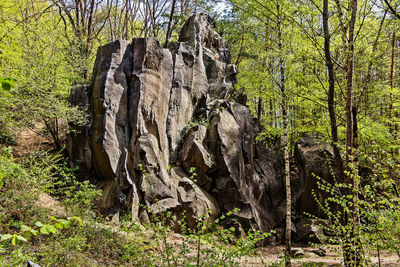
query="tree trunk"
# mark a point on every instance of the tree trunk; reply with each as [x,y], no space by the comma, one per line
[259,109]
[271,113]
[241,47]
[353,255]
[391,129]
[169,29]
[331,91]
[349,87]
[285,138]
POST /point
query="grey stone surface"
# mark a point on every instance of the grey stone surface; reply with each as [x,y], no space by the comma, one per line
[155,114]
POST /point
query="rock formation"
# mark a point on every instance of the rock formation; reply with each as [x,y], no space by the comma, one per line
[156,114]
[314,161]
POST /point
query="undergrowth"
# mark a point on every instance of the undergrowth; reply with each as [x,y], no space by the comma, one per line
[72,233]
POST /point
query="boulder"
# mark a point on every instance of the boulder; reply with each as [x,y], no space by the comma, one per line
[78,141]
[198,204]
[314,161]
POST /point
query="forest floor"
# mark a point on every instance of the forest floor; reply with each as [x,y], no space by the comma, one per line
[29,141]
[271,255]
[263,256]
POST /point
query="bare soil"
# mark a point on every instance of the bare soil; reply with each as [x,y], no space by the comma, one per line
[273,255]
[29,141]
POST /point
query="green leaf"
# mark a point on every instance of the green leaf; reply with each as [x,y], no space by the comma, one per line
[65,223]
[21,238]
[7,83]
[47,229]
[44,230]
[25,228]
[28,231]
[58,225]
[5,237]
[39,224]
[6,86]
[52,229]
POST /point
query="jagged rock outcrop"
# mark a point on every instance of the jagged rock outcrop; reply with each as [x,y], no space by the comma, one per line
[155,114]
[314,161]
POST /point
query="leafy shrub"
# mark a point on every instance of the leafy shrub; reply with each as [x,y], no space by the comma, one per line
[44,229]
[51,241]
[54,176]
[377,205]
[18,193]
[205,245]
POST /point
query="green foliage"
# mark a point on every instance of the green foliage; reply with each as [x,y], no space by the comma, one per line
[18,194]
[14,238]
[44,229]
[377,204]
[205,245]
[193,123]
[35,72]
[47,229]
[7,83]
[41,58]
[54,176]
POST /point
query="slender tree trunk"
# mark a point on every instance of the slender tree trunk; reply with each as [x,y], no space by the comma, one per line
[354,256]
[169,29]
[265,65]
[356,214]
[259,109]
[287,167]
[285,138]
[271,113]
[392,63]
[392,128]
[349,79]
[126,20]
[88,43]
[331,90]
[369,71]
[52,127]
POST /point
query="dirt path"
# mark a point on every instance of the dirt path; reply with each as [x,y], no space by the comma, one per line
[273,255]
[28,142]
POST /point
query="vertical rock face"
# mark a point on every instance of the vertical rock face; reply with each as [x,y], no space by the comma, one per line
[315,161]
[156,114]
